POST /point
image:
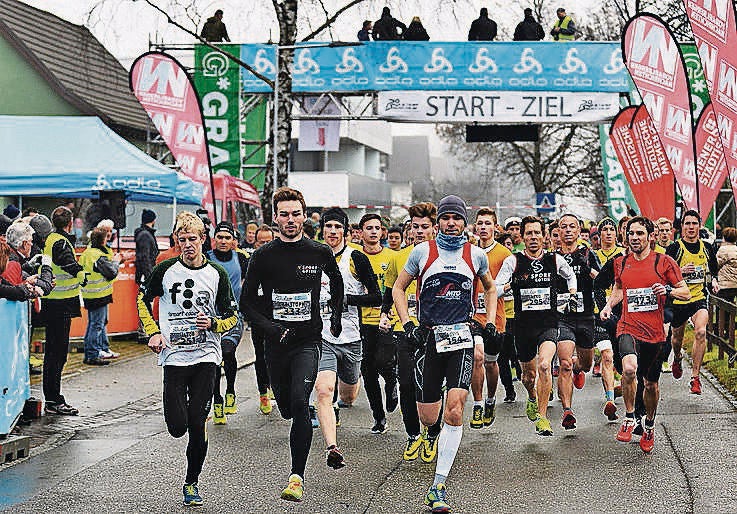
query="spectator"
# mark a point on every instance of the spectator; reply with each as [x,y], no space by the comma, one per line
[146,247]
[174,250]
[29,212]
[564,28]
[416,31]
[8,290]
[394,237]
[214,29]
[101,269]
[5,222]
[59,307]
[34,271]
[727,262]
[529,29]
[365,33]
[483,28]
[250,240]
[109,227]
[42,227]
[388,28]
[12,212]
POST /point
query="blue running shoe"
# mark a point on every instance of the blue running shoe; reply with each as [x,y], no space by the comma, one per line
[191,495]
[435,499]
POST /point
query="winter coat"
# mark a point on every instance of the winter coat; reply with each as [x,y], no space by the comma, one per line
[385,29]
[483,28]
[214,31]
[727,261]
[416,32]
[146,252]
[529,30]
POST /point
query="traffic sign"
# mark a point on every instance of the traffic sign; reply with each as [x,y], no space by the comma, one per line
[545,203]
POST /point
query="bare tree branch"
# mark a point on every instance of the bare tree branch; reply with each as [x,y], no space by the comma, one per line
[330,20]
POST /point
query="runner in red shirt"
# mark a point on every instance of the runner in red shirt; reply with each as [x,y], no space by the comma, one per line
[643,282]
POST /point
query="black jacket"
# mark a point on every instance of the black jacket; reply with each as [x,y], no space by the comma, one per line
[416,32]
[529,30]
[31,266]
[146,252]
[385,29]
[483,28]
[214,31]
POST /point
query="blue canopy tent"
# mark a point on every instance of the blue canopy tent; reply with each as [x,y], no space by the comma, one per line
[77,156]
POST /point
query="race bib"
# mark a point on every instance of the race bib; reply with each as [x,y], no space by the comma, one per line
[562,301]
[449,338]
[480,305]
[412,305]
[291,306]
[697,277]
[641,300]
[535,299]
[186,337]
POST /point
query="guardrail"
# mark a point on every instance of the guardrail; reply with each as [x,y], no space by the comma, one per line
[721,328]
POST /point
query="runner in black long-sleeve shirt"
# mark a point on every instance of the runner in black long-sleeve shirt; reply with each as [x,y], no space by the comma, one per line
[288,271]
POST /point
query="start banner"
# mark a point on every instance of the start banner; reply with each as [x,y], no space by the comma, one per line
[429,66]
[497,107]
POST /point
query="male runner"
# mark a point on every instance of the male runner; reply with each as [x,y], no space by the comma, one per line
[445,270]
[664,232]
[643,281]
[532,276]
[512,226]
[423,444]
[486,352]
[264,234]
[236,264]
[196,305]
[697,260]
[289,272]
[379,351]
[576,326]
[341,356]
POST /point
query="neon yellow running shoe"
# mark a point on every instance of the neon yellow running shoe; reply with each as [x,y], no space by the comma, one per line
[436,499]
[294,490]
[218,417]
[265,405]
[477,417]
[542,427]
[429,447]
[230,406]
[412,450]
[531,409]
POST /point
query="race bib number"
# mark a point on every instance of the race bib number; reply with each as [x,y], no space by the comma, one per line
[641,300]
[563,298]
[186,337]
[480,304]
[697,277]
[449,338]
[292,306]
[535,299]
[412,305]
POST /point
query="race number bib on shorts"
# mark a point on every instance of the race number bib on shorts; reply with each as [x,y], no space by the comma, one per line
[449,338]
[412,305]
[292,306]
[535,299]
[641,300]
[697,277]
[480,304]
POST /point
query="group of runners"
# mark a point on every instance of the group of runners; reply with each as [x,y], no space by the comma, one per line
[433,319]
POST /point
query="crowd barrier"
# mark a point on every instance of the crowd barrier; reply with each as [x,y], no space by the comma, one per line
[15,387]
[721,328]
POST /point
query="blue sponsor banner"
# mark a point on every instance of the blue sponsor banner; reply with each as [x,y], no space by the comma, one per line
[15,386]
[424,66]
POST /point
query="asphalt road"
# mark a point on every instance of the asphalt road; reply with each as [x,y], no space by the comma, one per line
[119,458]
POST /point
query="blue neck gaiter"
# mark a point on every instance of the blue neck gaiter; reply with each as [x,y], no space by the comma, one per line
[450,243]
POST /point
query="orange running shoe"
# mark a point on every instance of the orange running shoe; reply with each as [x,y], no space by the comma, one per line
[695,385]
[624,434]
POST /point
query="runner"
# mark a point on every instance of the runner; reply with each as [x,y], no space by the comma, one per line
[264,234]
[576,326]
[643,281]
[423,444]
[379,351]
[341,356]
[532,277]
[196,305]
[697,260]
[512,226]
[486,355]
[445,270]
[288,271]
[236,264]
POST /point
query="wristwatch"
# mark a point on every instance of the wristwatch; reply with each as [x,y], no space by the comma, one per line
[668,290]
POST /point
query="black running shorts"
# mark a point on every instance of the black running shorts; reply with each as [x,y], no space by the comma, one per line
[649,363]
[528,338]
[433,368]
[580,330]
[681,313]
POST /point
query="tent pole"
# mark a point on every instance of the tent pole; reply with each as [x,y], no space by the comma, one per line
[174,217]
[20,204]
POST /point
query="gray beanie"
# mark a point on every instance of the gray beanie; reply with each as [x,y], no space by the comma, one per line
[41,226]
[454,205]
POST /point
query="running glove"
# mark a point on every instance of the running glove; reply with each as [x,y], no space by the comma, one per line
[414,337]
[492,339]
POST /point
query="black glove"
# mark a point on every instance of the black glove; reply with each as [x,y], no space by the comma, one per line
[572,303]
[492,339]
[336,326]
[413,334]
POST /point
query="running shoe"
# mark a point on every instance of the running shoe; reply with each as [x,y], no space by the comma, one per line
[61,408]
[489,412]
[435,498]
[335,457]
[511,396]
[218,416]
[429,448]
[695,385]
[477,417]
[313,417]
[96,361]
[624,434]
[109,354]
[231,407]
[379,427]
[579,379]
[264,404]
[531,409]
[542,427]
[666,368]
[610,411]
[392,397]
[344,405]
[569,420]
[191,495]
[677,367]
[336,410]
[596,371]
[294,490]
[412,450]
[638,427]
[647,441]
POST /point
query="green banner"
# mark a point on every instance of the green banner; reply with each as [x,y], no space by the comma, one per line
[696,80]
[618,192]
[217,80]
[254,129]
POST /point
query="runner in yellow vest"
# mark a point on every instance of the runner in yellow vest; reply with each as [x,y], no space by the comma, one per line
[564,28]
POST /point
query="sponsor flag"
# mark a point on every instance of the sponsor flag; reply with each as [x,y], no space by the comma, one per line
[710,159]
[166,92]
[715,31]
[618,192]
[656,66]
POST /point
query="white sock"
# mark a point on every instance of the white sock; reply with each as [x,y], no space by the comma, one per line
[491,401]
[479,403]
[448,443]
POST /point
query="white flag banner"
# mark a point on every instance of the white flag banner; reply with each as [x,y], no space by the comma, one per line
[319,135]
[497,106]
